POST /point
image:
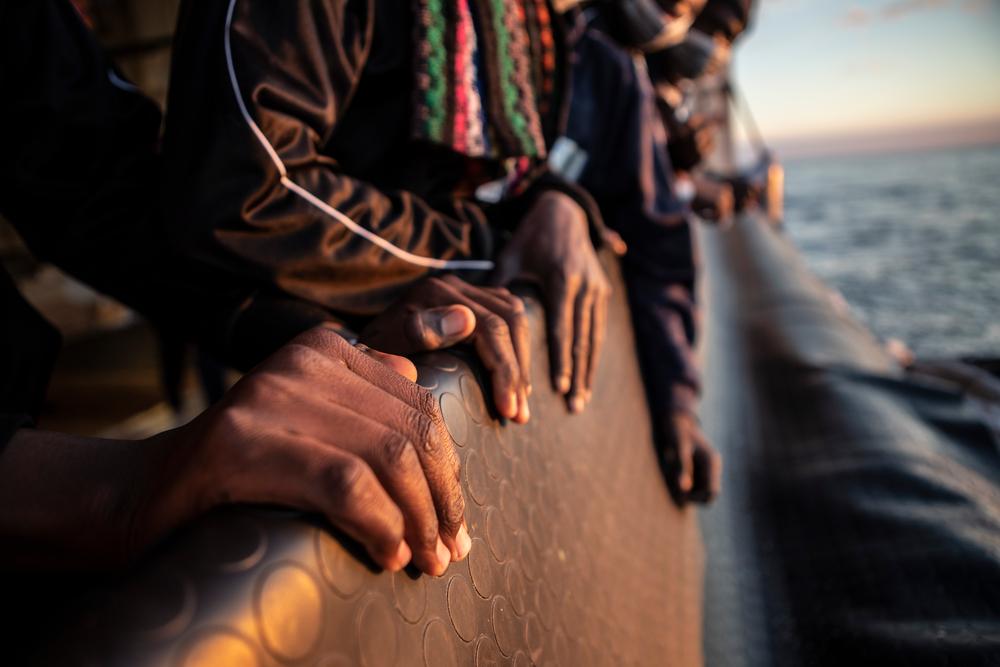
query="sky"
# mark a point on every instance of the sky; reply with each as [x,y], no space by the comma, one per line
[832,76]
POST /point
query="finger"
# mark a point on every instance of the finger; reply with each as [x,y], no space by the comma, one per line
[511,308]
[707,472]
[384,444]
[366,366]
[560,296]
[435,328]
[440,467]
[583,310]
[401,365]
[496,350]
[369,388]
[597,330]
[685,451]
[298,471]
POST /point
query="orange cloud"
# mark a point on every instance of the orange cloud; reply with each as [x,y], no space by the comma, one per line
[857,16]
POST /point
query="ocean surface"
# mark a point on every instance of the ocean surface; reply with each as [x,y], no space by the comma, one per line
[912,240]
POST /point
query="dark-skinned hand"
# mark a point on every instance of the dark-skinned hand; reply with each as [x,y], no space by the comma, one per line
[692,466]
[320,426]
[444,311]
[552,248]
[714,201]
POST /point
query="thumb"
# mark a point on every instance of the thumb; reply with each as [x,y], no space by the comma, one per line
[437,328]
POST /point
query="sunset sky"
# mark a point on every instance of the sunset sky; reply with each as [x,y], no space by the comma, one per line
[825,75]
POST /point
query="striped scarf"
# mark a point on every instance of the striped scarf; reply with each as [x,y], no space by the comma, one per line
[485,76]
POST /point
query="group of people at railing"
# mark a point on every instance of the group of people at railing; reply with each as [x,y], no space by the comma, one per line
[342,184]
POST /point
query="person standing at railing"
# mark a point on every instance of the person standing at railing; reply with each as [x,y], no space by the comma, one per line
[615,147]
[364,155]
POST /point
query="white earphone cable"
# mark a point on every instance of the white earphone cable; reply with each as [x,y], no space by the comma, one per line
[310,198]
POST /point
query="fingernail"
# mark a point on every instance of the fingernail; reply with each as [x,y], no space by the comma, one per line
[512,405]
[444,556]
[529,389]
[563,384]
[464,542]
[453,323]
[685,483]
[402,556]
[576,404]
[526,412]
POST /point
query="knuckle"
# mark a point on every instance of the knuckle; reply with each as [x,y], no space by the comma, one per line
[453,511]
[398,455]
[301,357]
[352,481]
[427,531]
[262,387]
[495,325]
[421,427]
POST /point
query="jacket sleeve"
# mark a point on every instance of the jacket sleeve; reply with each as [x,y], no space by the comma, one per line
[257,96]
[629,174]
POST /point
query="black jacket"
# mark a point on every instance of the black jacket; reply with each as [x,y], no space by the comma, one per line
[328,83]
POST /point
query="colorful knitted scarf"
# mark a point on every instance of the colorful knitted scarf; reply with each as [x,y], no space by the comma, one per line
[485,75]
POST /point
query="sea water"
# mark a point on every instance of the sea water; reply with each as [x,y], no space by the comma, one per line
[912,240]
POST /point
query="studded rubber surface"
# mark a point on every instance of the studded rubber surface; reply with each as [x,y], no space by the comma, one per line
[579,557]
[859,522]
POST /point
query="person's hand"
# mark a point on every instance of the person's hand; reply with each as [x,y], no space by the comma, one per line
[443,312]
[692,466]
[552,247]
[322,426]
[714,201]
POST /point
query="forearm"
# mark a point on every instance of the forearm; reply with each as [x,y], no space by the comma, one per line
[68,502]
[664,317]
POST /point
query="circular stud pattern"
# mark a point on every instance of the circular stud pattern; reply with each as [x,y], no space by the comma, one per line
[165,607]
[505,626]
[377,633]
[455,418]
[461,609]
[475,478]
[233,542]
[410,594]
[343,572]
[492,455]
[496,534]
[528,557]
[481,567]
[487,653]
[534,637]
[220,648]
[290,632]
[439,647]
[517,591]
[473,397]
[510,506]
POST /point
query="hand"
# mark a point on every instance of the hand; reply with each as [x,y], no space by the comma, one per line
[714,201]
[443,312]
[692,466]
[323,426]
[552,247]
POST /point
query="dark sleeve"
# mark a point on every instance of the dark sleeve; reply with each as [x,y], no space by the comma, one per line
[79,174]
[249,118]
[614,120]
